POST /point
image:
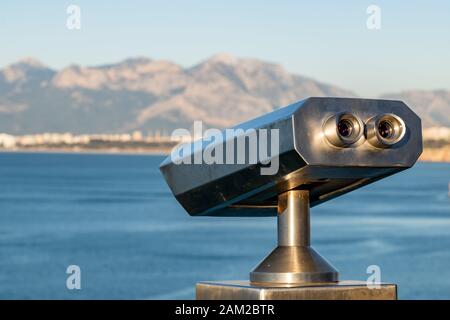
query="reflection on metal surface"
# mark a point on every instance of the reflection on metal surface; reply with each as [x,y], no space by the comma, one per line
[293,261]
[342,290]
[344,129]
[307,159]
[385,130]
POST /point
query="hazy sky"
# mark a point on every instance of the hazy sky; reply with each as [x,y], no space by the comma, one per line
[326,40]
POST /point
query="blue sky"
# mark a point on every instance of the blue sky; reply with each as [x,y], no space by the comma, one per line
[326,40]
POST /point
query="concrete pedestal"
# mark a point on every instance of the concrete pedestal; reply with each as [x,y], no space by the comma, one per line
[342,290]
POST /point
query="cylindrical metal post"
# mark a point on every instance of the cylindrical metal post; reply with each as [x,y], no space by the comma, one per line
[293,261]
[293,218]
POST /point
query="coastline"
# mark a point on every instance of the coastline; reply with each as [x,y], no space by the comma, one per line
[441,154]
[106,151]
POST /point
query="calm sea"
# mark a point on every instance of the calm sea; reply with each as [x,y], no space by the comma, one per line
[114,217]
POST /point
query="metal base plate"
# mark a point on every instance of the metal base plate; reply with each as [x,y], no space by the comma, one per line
[294,265]
[342,290]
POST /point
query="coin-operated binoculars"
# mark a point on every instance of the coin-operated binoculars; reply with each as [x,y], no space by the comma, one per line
[324,148]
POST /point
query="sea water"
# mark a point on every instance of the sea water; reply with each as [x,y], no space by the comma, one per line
[115,218]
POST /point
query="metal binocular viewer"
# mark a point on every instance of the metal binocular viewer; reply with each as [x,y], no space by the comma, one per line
[325,147]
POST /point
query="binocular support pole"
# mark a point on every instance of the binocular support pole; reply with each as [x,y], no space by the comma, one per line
[294,261]
[293,270]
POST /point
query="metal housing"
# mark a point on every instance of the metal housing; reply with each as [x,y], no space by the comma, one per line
[307,160]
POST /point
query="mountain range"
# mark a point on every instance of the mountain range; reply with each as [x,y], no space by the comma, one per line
[145,94]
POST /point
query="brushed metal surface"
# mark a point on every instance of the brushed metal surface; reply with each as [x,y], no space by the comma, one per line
[294,261]
[342,290]
[306,160]
[293,221]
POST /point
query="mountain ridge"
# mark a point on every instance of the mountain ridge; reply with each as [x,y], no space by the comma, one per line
[145,94]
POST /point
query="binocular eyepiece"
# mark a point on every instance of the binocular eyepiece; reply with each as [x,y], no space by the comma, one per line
[385,130]
[346,129]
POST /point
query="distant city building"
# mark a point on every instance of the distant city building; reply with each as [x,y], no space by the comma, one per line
[137,136]
[158,137]
[60,139]
[7,141]
[436,133]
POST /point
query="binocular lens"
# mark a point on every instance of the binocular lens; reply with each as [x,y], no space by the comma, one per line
[345,128]
[385,129]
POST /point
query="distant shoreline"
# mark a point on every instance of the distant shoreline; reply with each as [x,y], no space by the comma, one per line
[441,155]
[89,151]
